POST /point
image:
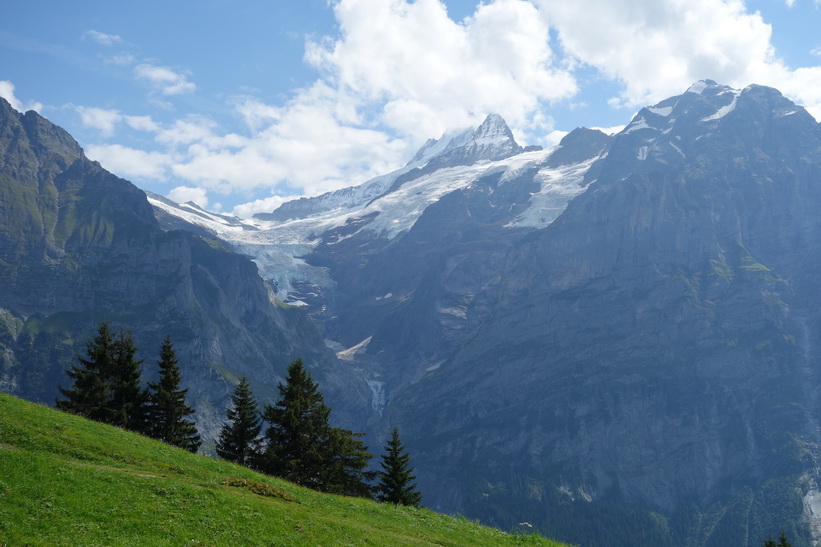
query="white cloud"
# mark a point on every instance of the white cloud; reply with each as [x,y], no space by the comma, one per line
[265,205]
[107,120]
[425,73]
[102,38]
[255,113]
[100,118]
[7,92]
[183,194]
[142,123]
[657,49]
[164,79]
[130,163]
[399,72]
[122,59]
[610,130]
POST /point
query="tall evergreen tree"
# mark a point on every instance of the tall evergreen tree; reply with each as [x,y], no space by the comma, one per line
[106,385]
[298,431]
[89,394]
[302,447]
[167,411]
[128,399]
[395,480]
[239,440]
[344,471]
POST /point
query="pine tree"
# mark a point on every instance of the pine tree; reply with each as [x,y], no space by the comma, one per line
[167,410]
[299,430]
[302,447]
[128,399]
[89,394]
[239,440]
[395,480]
[782,541]
[344,471]
[107,382]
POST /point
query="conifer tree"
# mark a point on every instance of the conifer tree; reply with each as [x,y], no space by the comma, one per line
[106,384]
[298,431]
[302,447]
[167,411]
[395,480]
[128,399]
[89,394]
[239,440]
[344,471]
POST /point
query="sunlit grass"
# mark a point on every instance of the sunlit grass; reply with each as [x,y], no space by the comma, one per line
[67,481]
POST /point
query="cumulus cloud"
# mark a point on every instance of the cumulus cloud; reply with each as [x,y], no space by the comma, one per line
[99,118]
[400,71]
[107,120]
[657,49]
[164,79]
[102,38]
[142,123]
[183,194]
[131,163]
[425,73]
[7,92]
[265,205]
[122,59]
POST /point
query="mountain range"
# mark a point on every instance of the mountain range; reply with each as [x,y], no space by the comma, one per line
[613,339]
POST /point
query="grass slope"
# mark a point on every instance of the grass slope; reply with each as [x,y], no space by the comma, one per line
[68,481]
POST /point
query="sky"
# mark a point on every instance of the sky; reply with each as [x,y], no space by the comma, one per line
[241,105]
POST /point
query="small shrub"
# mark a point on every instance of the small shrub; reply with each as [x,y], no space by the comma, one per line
[259,488]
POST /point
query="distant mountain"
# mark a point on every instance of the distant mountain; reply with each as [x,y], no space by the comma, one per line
[79,245]
[655,347]
[614,339]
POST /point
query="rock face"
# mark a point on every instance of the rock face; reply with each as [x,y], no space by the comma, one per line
[638,368]
[656,346]
[79,245]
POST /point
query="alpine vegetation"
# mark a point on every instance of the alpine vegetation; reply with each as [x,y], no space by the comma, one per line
[396,484]
[239,439]
[106,388]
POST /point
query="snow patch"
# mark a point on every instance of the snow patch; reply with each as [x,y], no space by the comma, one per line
[678,150]
[377,388]
[558,187]
[456,312]
[661,110]
[698,87]
[434,367]
[636,125]
[350,353]
[723,111]
[642,153]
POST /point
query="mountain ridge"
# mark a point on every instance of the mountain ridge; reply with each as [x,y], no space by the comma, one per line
[79,245]
[619,329]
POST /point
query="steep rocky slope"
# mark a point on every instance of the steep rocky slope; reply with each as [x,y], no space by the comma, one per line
[656,346]
[79,245]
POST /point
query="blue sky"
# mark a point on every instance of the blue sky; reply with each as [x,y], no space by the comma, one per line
[240,105]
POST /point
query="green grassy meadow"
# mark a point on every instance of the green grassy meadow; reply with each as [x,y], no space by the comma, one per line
[67,481]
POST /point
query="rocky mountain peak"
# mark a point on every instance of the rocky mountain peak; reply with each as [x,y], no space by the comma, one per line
[705,118]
